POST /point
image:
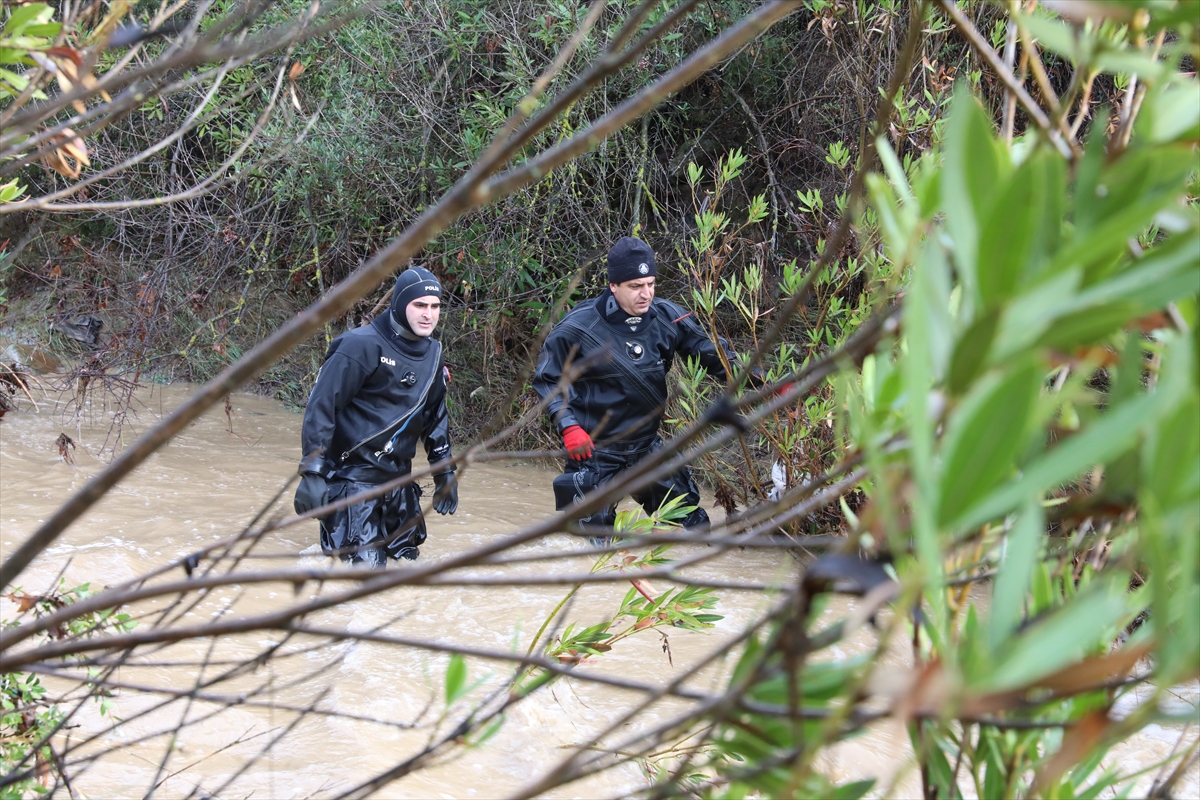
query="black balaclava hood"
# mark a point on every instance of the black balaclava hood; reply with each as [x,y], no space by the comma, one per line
[413,283]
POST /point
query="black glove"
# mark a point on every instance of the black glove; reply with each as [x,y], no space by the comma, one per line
[445,493]
[311,493]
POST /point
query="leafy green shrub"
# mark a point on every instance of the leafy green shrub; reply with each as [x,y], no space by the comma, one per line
[29,716]
[1044,415]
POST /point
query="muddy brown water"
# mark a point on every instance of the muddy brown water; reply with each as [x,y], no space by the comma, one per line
[209,482]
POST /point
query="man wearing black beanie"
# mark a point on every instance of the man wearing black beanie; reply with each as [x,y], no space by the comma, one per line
[382,387]
[610,415]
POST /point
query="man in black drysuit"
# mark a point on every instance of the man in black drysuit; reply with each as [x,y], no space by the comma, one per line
[629,340]
[382,387]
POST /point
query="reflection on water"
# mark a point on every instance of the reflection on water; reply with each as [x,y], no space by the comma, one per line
[211,480]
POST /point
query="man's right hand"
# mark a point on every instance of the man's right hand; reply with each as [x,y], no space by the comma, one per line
[578,443]
[311,493]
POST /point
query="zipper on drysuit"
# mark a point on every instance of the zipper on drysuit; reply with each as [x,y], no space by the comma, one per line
[403,418]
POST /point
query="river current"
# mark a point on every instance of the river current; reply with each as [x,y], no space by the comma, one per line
[214,478]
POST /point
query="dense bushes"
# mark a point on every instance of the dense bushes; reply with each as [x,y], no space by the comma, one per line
[404,100]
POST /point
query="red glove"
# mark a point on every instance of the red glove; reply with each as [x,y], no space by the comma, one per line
[578,443]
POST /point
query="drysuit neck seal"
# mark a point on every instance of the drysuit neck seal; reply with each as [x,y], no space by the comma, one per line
[612,312]
[407,342]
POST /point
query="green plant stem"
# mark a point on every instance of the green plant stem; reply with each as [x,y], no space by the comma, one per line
[549,619]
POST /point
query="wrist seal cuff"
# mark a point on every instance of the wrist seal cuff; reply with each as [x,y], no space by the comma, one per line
[314,463]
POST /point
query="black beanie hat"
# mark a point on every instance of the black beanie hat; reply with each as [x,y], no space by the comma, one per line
[413,283]
[629,260]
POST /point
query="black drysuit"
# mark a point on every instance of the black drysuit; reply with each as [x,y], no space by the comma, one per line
[620,398]
[376,394]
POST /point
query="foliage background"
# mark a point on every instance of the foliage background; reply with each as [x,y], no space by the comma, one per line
[976,302]
[409,96]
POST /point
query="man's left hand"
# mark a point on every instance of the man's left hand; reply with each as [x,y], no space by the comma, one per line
[445,493]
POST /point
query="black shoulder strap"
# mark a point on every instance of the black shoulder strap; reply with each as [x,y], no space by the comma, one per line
[647,390]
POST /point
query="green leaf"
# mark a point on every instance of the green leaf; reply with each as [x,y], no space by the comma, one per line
[972,651]
[748,661]
[928,338]
[927,185]
[893,222]
[1021,548]
[995,776]
[11,191]
[1063,636]
[1168,272]
[934,758]
[1087,326]
[895,171]
[1111,435]
[852,791]
[1025,318]
[971,352]
[12,82]
[1152,281]
[46,30]
[456,678]
[1108,779]
[1050,180]
[970,177]
[1057,36]
[932,298]
[1132,62]
[821,682]
[1125,199]
[983,437]
[1181,14]
[662,598]
[1172,464]
[491,730]
[24,16]
[1121,476]
[1022,231]
[537,681]
[1088,201]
